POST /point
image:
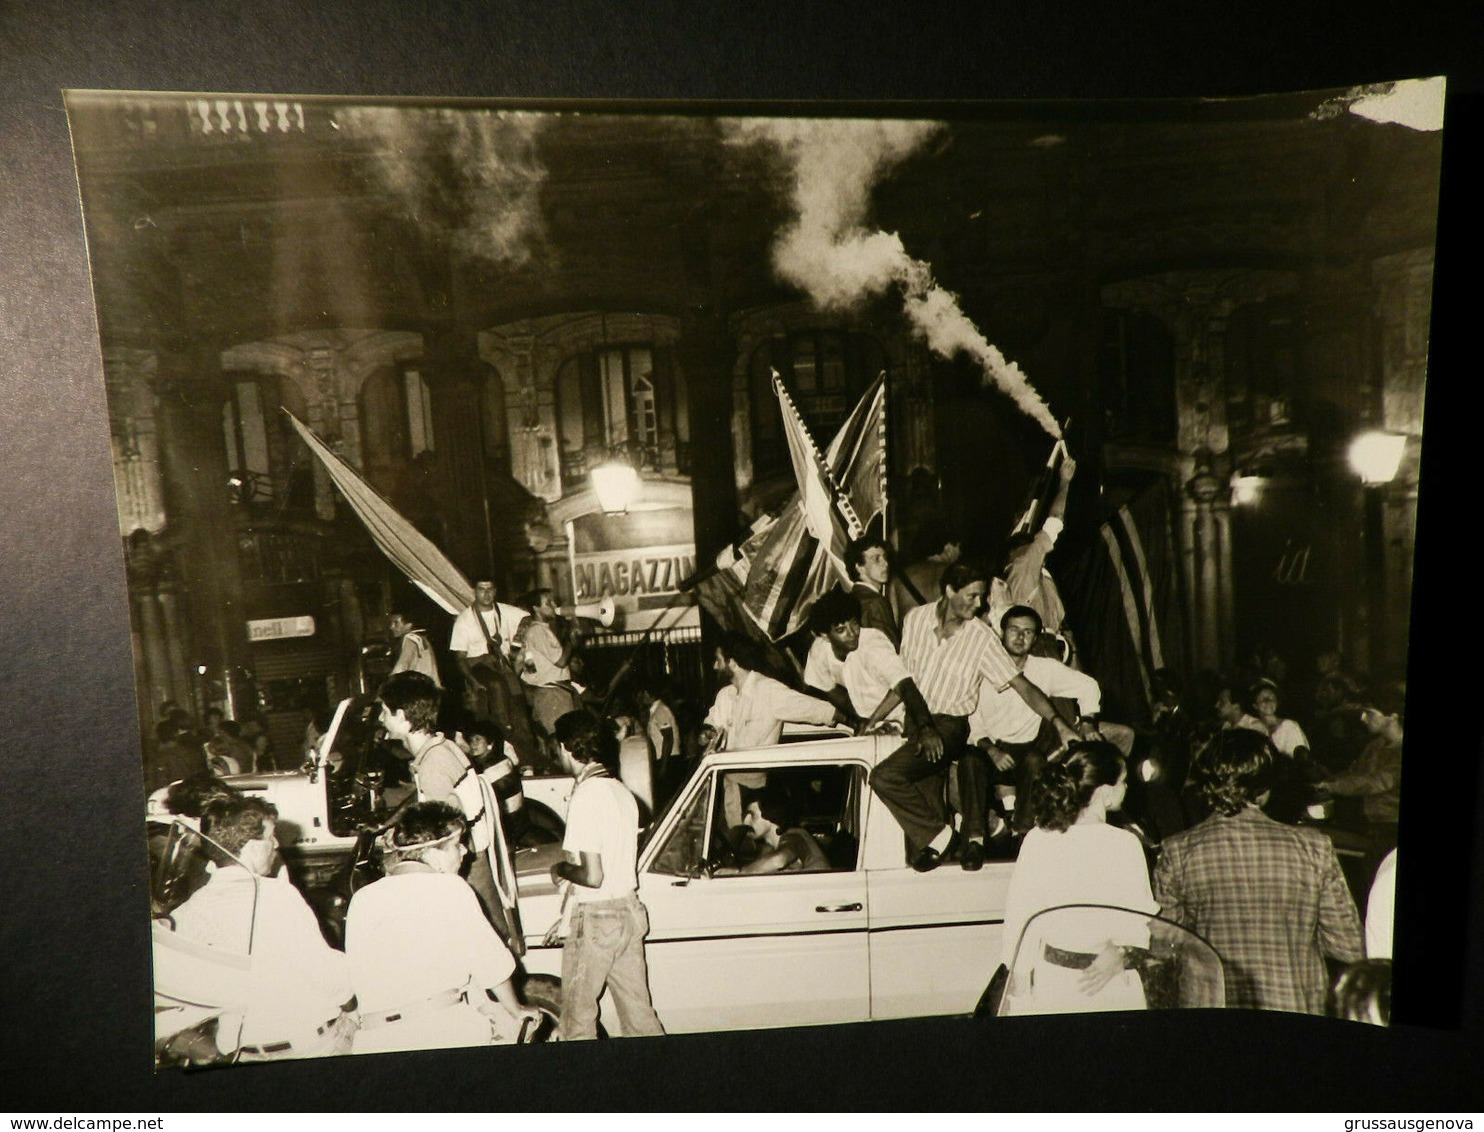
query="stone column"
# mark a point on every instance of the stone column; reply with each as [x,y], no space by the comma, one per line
[1402,299]
[201,524]
[1196,306]
[452,369]
[707,353]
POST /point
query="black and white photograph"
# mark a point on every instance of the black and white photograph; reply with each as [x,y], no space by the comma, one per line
[626,571]
[868,558]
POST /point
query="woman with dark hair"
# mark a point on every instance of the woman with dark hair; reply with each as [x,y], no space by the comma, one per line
[1073,856]
[1287,737]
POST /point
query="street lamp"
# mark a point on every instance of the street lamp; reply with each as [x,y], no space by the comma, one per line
[1376,456]
[616,483]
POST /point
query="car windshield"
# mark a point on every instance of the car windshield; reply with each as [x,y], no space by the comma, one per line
[659,818]
[360,767]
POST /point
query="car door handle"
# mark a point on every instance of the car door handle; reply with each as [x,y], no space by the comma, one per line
[838,907]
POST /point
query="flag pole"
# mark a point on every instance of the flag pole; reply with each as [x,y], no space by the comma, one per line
[882,435]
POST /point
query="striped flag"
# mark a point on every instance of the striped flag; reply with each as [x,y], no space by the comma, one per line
[1123,595]
[841,492]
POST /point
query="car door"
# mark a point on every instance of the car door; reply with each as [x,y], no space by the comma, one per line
[935,937]
[742,951]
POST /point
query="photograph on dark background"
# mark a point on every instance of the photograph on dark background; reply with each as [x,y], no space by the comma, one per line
[613,570]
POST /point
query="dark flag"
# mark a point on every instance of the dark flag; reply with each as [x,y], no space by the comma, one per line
[1123,595]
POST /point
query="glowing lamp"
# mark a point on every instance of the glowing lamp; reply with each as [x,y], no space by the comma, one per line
[1246,489]
[1376,456]
[616,483]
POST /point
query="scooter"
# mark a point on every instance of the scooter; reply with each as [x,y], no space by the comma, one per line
[1079,958]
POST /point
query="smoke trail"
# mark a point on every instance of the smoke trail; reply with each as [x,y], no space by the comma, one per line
[475,173]
[830,253]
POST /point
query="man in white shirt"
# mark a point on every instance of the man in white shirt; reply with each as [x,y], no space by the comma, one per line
[414,650]
[483,642]
[300,985]
[1026,581]
[762,705]
[858,667]
[443,773]
[950,652]
[1017,740]
[545,665]
[605,941]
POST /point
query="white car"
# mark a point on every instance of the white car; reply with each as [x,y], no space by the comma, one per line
[867,939]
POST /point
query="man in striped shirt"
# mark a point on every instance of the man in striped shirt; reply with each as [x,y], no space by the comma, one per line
[948,651]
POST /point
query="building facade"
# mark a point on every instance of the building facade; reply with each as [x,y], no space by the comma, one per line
[476,307]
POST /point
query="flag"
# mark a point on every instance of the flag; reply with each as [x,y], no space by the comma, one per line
[410,550]
[840,492]
[1041,492]
[720,587]
[1124,602]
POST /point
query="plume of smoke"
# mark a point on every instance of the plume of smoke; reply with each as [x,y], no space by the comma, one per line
[475,173]
[830,253]
[1414,103]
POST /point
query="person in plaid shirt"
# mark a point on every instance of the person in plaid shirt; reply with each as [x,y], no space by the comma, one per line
[1270,898]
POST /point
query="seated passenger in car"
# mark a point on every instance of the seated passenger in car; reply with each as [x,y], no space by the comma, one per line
[783,845]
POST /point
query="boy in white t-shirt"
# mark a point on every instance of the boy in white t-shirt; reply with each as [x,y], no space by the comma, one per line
[605,940]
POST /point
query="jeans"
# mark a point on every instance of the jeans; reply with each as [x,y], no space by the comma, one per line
[912,787]
[605,947]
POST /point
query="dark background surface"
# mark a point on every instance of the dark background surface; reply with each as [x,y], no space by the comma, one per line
[73,936]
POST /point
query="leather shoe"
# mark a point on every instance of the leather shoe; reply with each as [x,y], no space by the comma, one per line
[971,856]
[928,858]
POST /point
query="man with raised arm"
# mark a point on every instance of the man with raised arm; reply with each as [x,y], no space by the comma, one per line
[1026,581]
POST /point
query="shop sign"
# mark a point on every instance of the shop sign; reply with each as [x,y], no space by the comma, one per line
[280,628]
[634,573]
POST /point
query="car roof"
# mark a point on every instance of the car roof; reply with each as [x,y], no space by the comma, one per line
[868,749]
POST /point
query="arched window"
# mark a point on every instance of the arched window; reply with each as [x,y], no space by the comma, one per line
[396,423]
[825,371]
[625,397]
[265,458]
[1137,379]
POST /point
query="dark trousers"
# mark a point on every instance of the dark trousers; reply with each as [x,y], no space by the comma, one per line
[913,787]
[495,694]
[1030,764]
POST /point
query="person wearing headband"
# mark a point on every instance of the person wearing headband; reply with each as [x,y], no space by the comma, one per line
[428,970]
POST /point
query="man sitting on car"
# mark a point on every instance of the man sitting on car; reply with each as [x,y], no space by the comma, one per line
[857,667]
[1017,740]
[761,705]
[751,709]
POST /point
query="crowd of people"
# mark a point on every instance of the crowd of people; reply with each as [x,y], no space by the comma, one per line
[1003,754]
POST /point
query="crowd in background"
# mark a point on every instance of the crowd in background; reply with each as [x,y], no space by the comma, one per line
[1224,814]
